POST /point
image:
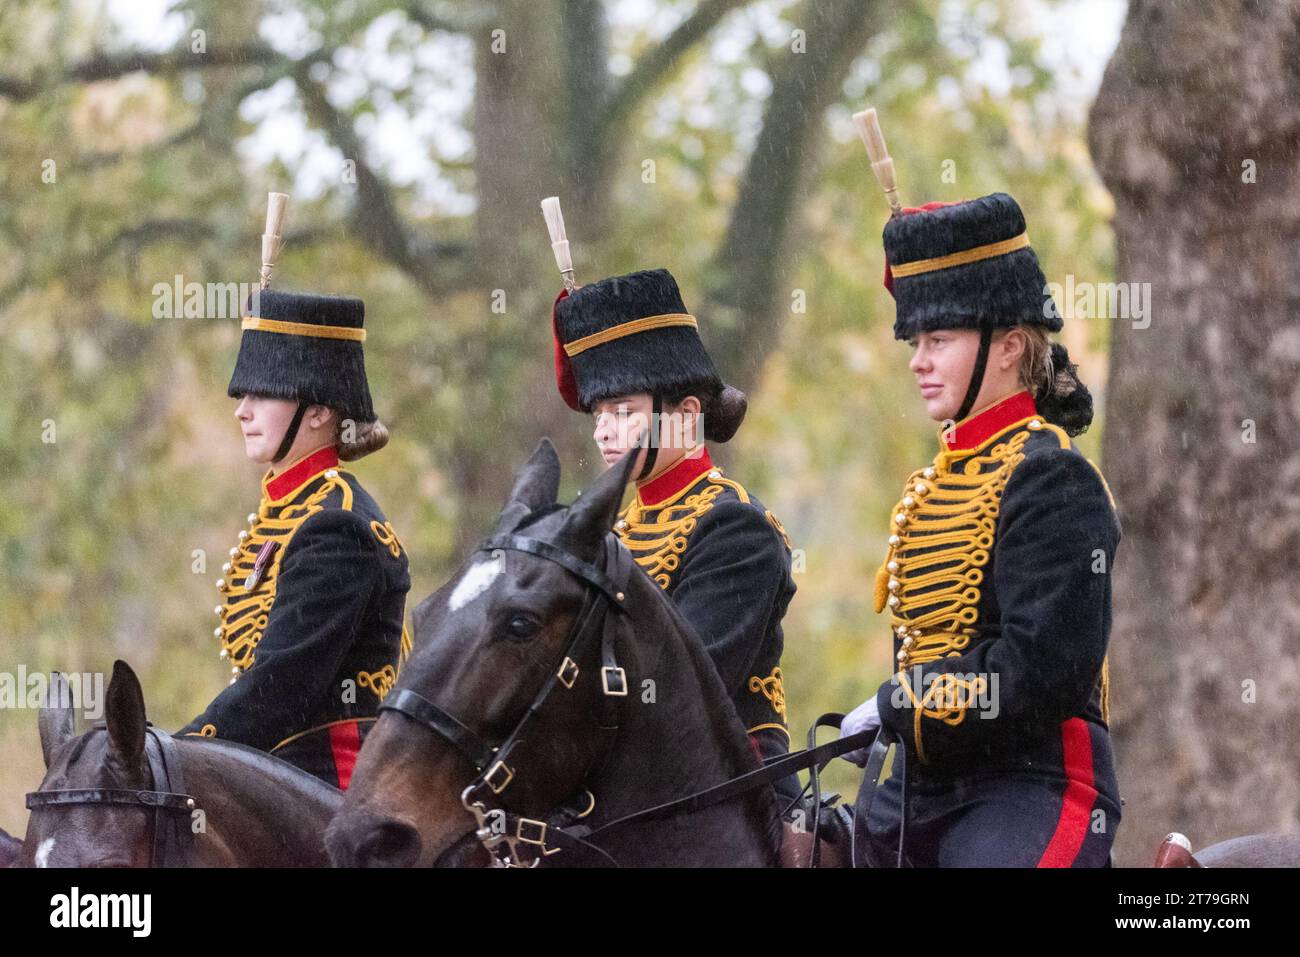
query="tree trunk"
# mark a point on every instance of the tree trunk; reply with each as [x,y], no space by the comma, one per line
[1195,131]
[519,103]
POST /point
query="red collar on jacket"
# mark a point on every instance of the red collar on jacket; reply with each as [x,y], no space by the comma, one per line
[298,474]
[682,474]
[974,430]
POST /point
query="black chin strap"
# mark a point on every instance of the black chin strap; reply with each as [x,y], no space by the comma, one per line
[290,433]
[977,373]
[652,454]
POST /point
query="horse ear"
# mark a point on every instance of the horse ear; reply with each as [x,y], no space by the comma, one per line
[592,516]
[536,486]
[56,721]
[125,712]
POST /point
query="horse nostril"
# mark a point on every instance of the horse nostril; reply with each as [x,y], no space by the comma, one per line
[374,842]
[395,844]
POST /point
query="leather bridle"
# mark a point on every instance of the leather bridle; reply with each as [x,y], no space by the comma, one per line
[513,840]
[173,838]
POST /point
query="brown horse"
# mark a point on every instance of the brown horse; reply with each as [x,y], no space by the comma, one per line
[589,731]
[127,795]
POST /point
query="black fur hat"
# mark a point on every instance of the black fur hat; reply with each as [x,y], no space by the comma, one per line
[963,266]
[304,347]
[632,333]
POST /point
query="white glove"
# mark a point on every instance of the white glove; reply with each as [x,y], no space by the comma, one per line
[862,718]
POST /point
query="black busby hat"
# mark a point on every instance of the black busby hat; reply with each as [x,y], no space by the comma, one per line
[630,334]
[305,347]
[965,265]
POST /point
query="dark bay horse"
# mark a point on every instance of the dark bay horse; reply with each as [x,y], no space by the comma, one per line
[498,635]
[98,805]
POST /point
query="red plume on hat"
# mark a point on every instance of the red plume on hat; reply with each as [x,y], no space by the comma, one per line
[565,380]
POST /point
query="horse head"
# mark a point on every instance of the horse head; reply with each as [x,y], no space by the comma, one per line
[484,644]
[111,758]
[551,679]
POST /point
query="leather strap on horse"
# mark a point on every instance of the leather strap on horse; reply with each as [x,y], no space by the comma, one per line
[173,839]
[552,836]
[773,771]
[832,720]
[593,617]
[861,844]
[586,571]
[496,765]
[418,708]
[814,758]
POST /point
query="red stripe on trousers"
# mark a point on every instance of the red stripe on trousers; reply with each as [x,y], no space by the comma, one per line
[1077,802]
[345,742]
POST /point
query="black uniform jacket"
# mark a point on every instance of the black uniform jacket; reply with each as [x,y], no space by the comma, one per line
[725,561]
[310,620]
[998,585]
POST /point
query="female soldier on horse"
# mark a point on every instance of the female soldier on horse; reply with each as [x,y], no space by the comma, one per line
[628,353]
[311,602]
[997,572]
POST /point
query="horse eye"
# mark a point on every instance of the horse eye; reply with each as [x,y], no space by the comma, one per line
[521,627]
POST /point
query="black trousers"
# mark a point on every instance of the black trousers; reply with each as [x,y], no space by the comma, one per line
[995,819]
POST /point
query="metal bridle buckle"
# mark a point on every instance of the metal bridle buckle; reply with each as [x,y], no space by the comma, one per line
[492,771]
[537,837]
[568,672]
[605,673]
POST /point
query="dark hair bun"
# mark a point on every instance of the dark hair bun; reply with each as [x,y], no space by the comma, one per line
[1067,401]
[723,416]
